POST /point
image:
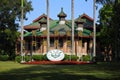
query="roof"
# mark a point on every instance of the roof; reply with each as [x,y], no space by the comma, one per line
[43,20]
[31,26]
[39,18]
[62,14]
[56,26]
[60,28]
[37,33]
[79,20]
[86,16]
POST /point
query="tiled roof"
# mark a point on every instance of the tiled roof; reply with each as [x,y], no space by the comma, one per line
[37,33]
[86,16]
[39,18]
[43,20]
[61,28]
[79,20]
[31,26]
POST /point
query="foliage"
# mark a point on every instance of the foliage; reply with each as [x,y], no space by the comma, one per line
[116,28]
[67,58]
[19,58]
[9,17]
[105,1]
[74,57]
[70,57]
[27,58]
[86,57]
[109,22]
[105,22]
[45,58]
[4,57]
[38,57]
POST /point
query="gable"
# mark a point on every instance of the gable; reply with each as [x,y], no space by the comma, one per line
[40,17]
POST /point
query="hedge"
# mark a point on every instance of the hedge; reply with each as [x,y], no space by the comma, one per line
[19,58]
[70,57]
[4,57]
[44,58]
[86,58]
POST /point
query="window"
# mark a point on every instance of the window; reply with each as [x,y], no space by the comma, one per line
[61,42]
[52,42]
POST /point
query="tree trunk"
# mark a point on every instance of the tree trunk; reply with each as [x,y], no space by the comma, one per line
[94,28]
[72,10]
[48,34]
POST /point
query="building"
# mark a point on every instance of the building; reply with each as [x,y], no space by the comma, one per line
[35,37]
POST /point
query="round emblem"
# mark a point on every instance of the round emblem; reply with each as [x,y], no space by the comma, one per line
[55,55]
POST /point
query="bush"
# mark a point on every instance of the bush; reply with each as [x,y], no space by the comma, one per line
[86,57]
[4,57]
[27,58]
[45,57]
[72,57]
[19,58]
[38,57]
[66,58]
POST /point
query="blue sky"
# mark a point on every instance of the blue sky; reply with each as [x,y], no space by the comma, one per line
[80,7]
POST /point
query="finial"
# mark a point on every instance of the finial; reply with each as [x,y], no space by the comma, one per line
[62,9]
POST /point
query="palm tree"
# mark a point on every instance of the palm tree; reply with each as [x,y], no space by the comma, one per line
[48,33]
[94,28]
[72,16]
[22,7]
[94,23]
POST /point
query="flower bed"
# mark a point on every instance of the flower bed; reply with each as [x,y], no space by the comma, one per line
[59,62]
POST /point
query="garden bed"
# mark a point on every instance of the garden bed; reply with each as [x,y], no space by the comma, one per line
[58,62]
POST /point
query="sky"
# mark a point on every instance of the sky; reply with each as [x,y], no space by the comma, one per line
[80,7]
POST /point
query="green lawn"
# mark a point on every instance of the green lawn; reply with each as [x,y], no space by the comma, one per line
[101,71]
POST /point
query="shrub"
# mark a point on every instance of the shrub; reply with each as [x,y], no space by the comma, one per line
[19,58]
[27,58]
[4,57]
[45,57]
[86,57]
[66,58]
[38,57]
[72,57]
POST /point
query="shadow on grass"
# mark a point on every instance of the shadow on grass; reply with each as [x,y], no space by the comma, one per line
[48,76]
[52,72]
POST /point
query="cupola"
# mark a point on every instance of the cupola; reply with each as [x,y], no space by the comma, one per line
[43,24]
[79,21]
[62,15]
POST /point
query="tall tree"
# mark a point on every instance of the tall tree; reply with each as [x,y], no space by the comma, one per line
[48,31]
[109,20]
[9,24]
[94,28]
[105,22]
[72,17]
[116,28]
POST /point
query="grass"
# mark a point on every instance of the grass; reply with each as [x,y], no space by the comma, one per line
[101,71]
